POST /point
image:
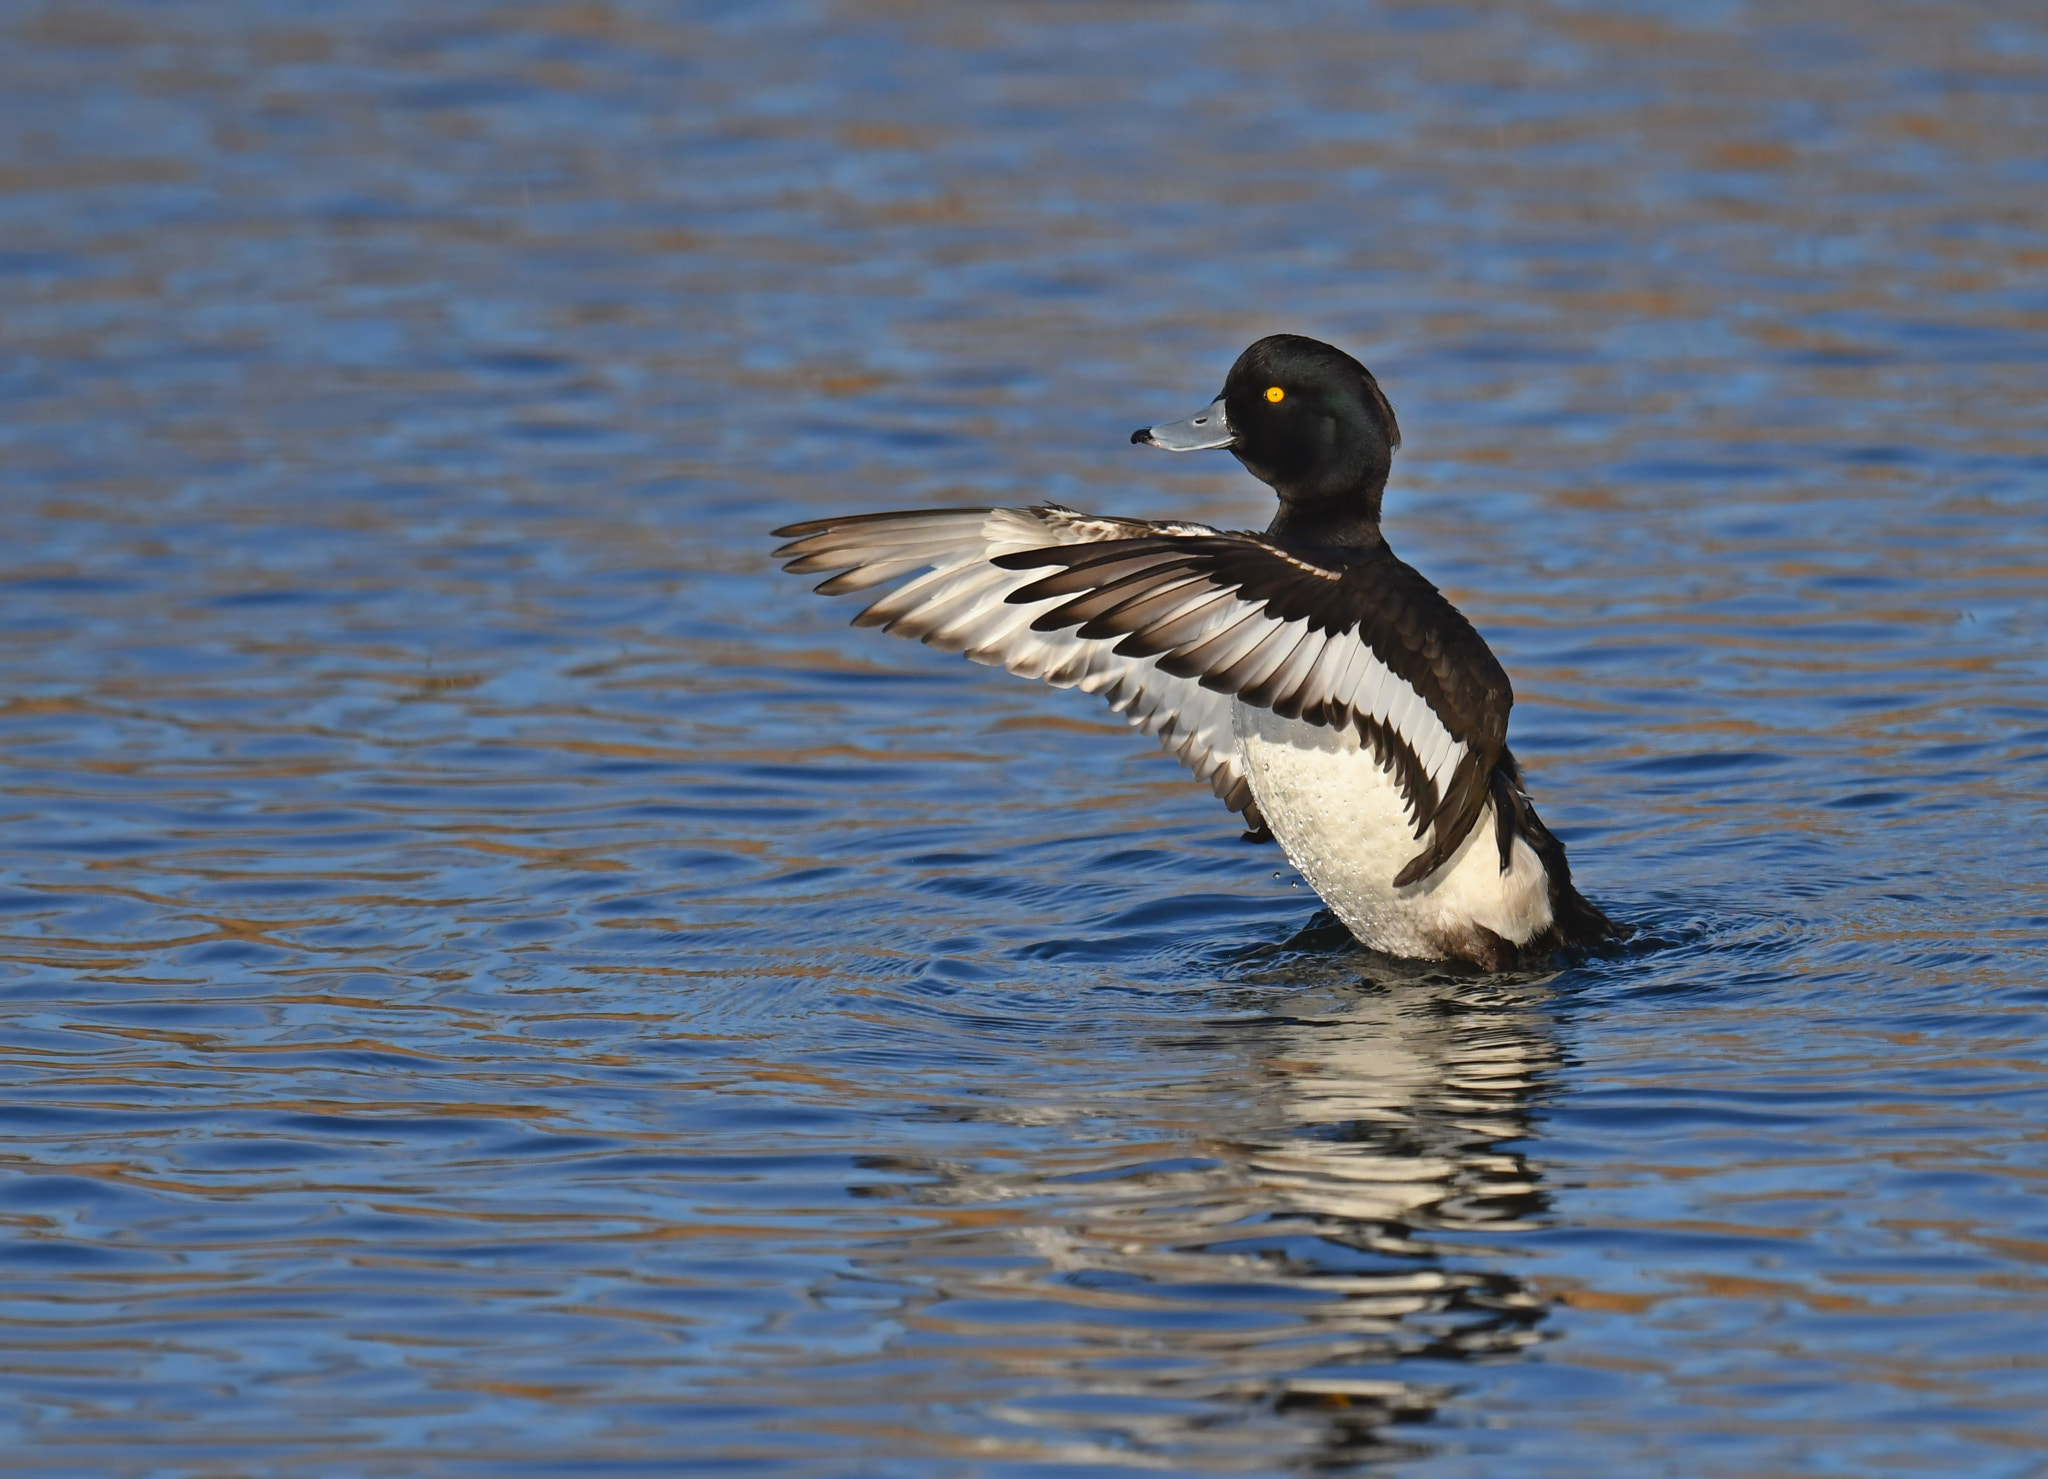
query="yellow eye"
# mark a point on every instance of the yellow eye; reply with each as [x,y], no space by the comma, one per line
[1275,394]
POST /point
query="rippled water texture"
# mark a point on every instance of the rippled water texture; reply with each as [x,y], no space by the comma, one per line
[499,980]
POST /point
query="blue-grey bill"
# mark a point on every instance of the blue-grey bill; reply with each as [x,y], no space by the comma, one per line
[1207,428]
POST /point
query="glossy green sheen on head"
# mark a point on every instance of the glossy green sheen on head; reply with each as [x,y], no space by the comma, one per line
[1326,443]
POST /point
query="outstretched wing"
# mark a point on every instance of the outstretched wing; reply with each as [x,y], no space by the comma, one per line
[1172,622]
[963,599]
[1352,637]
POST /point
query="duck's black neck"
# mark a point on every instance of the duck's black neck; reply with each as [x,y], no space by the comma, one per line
[1356,528]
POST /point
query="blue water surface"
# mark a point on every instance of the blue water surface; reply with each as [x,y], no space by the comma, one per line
[495,979]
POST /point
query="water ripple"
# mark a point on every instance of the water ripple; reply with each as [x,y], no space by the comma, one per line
[495,979]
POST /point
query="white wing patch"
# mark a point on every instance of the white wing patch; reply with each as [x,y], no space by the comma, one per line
[1291,668]
[960,605]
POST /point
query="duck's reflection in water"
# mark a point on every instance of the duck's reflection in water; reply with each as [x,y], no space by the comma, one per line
[1294,1263]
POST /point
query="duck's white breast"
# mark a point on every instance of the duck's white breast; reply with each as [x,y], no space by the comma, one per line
[1338,816]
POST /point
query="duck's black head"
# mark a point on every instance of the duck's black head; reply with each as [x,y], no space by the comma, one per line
[1308,420]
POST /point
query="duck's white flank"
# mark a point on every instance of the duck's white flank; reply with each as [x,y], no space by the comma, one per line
[1339,817]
